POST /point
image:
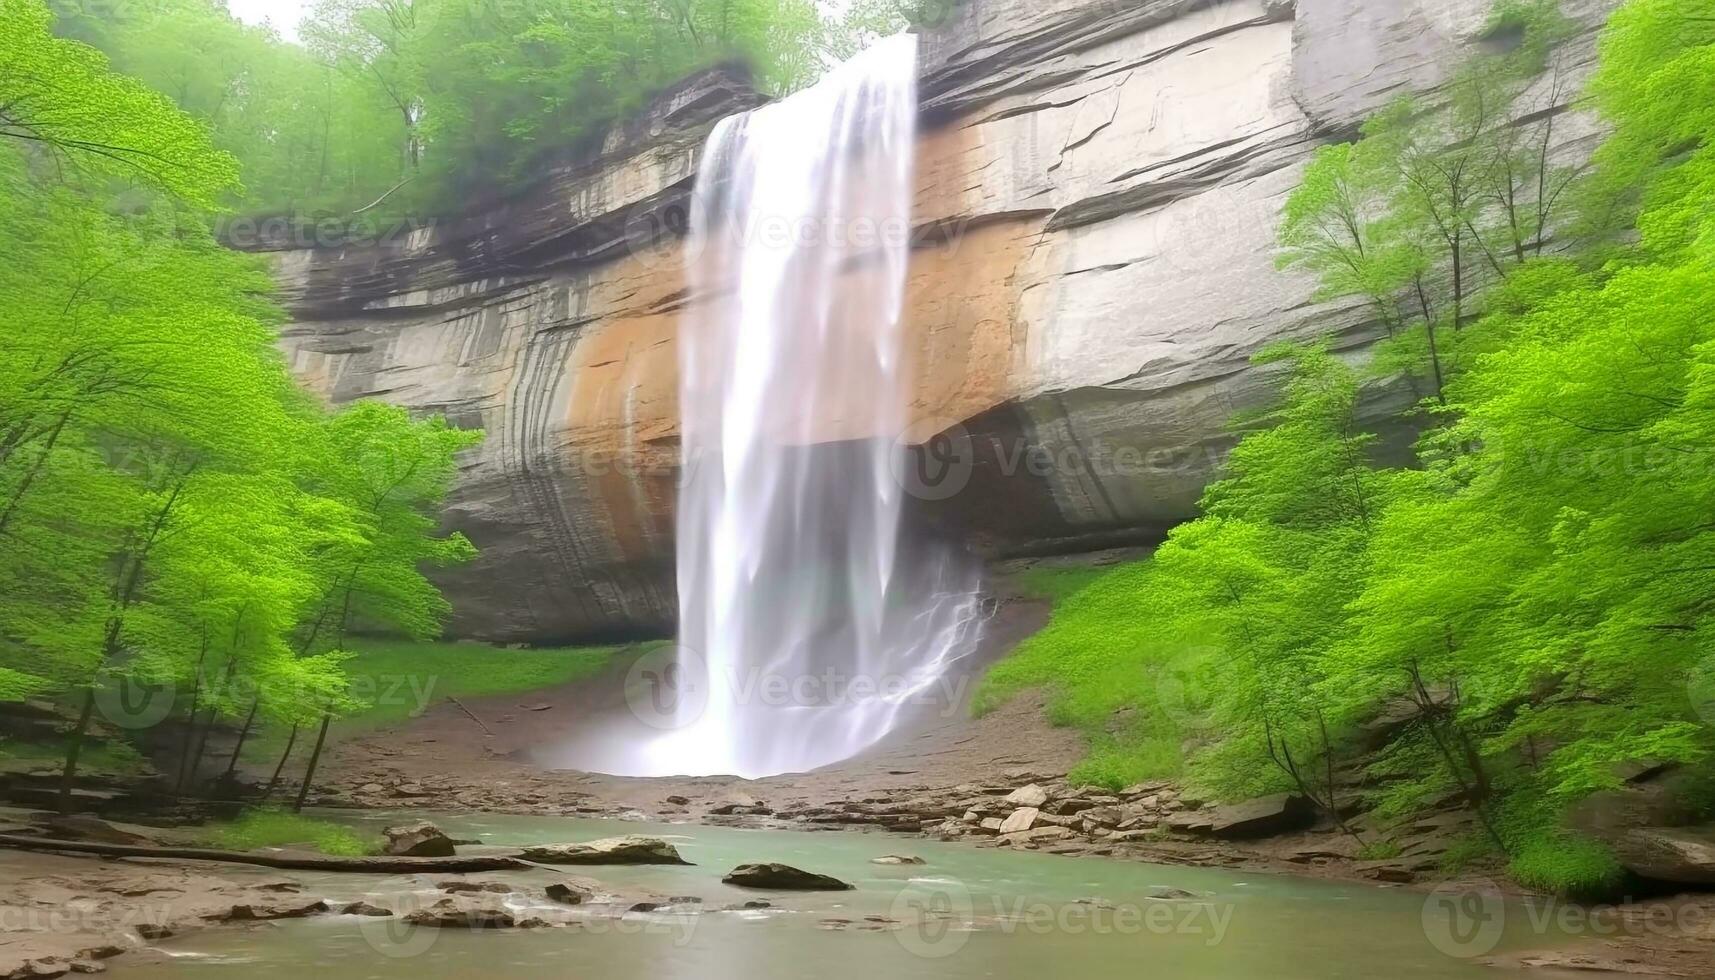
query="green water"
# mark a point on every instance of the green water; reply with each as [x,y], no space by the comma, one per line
[968,912]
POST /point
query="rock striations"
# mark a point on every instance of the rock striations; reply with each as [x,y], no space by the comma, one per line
[1098,190]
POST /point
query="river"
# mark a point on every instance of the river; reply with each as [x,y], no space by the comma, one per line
[966,913]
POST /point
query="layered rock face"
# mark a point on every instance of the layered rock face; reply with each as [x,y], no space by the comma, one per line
[1099,187]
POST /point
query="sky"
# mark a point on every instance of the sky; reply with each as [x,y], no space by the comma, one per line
[283,14]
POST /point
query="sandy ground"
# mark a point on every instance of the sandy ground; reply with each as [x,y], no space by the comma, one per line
[491,753]
[63,914]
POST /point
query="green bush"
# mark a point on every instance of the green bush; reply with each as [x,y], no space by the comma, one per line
[1567,865]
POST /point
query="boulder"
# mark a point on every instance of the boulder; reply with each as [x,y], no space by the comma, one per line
[1262,817]
[739,802]
[363,908]
[1133,835]
[454,914]
[466,887]
[1069,805]
[567,893]
[897,859]
[782,877]
[1102,816]
[1666,799]
[1021,819]
[1032,795]
[1195,824]
[1680,856]
[421,839]
[1037,835]
[261,913]
[612,850]
[1392,872]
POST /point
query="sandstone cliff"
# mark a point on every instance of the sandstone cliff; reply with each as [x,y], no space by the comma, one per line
[1099,183]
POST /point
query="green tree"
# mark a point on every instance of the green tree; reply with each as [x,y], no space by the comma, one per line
[62,98]
[1529,606]
[170,502]
[392,474]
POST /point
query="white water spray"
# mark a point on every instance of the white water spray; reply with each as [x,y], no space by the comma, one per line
[809,623]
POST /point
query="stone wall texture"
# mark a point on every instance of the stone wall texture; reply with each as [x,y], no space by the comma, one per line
[1099,185]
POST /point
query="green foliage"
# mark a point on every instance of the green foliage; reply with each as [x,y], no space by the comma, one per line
[1561,864]
[1117,762]
[257,829]
[1531,600]
[173,510]
[1093,637]
[60,97]
[504,85]
[414,105]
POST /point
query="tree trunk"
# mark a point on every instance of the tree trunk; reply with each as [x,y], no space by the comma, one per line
[197,753]
[35,470]
[274,780]
[296,862]
[315,757]
[74,748]
[191,722]
[243,733]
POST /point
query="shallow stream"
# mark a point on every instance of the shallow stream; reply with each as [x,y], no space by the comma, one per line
[966,912]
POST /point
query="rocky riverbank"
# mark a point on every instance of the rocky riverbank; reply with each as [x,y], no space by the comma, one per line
[62,914]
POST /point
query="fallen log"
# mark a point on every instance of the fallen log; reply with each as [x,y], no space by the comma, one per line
[289,862]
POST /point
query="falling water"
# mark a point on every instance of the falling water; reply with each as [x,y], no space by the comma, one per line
[809,619]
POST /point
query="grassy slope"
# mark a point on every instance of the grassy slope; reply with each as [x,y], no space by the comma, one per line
[1096,656]
[1056,583]
[402,678]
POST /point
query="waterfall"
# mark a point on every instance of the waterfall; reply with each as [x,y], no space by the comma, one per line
[811,619]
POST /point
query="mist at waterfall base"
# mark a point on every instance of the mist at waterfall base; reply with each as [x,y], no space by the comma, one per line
[812,622]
